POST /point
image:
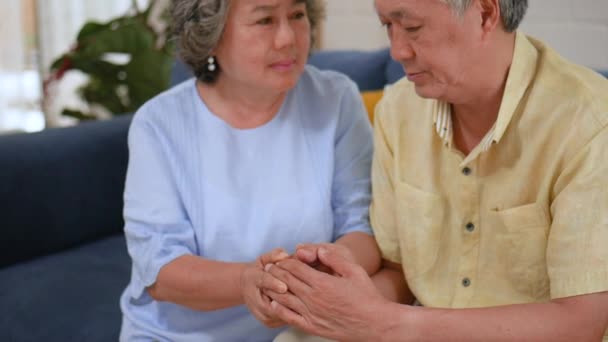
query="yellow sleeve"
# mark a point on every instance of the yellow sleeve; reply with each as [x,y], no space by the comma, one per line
[382,209]
[577,247]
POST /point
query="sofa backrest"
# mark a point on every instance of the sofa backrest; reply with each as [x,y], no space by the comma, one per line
[61,187]
[371,70]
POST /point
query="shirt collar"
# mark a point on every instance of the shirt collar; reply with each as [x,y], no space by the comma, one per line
[521,74]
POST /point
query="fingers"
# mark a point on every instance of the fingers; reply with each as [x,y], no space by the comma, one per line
[273,256]
[288,300]
[298,276]
[253,279]
[260,307]
[287,315]
[268,281]
[333,259]
[307,254]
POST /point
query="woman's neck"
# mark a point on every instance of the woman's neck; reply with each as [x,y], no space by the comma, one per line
[241,107]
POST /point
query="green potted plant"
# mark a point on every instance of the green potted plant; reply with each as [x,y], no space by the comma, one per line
[127,60]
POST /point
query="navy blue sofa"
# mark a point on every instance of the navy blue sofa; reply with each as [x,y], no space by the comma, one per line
[63,258]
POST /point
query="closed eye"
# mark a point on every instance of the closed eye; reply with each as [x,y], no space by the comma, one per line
[299,15]
[264,21]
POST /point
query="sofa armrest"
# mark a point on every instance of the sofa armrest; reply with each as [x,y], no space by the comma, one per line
[61,187]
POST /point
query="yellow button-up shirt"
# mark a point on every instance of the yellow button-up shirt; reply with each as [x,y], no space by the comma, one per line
[524,217]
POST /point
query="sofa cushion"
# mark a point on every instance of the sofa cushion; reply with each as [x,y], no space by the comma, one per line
[61,187]
[69,296]
[366,68]
[370,99]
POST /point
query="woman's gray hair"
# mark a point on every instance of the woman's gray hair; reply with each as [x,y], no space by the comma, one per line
[197,25]
[511,11]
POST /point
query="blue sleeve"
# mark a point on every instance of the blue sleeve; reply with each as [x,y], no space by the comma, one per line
[157,228]
[351,189]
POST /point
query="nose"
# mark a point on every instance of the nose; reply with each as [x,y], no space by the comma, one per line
[401,47]
[285,35]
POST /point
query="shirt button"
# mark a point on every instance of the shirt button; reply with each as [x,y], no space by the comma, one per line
[470,227]
[466,171]
[466,282]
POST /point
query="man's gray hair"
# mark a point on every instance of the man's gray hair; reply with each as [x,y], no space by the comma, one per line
[198,25]
[511,11]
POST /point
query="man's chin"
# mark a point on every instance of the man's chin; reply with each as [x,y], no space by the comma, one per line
[427,92]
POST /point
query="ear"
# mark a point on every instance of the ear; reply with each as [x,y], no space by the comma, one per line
[490,15]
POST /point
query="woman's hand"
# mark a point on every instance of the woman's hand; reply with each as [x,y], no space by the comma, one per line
[254,279]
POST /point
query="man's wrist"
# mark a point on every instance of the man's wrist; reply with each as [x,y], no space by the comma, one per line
[382,320]
[392,321]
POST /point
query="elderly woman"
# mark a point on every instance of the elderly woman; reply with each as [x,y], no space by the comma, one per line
[229,171]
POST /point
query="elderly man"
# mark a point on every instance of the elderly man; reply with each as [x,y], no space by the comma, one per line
[490,192]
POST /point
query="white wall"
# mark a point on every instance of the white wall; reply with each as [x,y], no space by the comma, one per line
[352,24]
[578,29]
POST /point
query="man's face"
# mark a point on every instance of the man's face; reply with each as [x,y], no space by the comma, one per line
[438,49]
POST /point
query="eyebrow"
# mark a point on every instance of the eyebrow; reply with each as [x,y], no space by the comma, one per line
[400,14]
[270,8]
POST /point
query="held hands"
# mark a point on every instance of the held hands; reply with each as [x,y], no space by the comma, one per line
[254,278]
[340,304]
[308,254]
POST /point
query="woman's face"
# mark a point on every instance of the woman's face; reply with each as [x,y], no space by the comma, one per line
[265,44]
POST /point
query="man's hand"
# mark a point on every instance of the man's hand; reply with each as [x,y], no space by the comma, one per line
[254,279]
[308,254]
[340,306]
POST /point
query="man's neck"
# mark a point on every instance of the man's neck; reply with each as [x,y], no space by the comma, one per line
[472,119]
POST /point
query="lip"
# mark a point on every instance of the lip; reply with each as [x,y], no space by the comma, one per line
[414,76]
[283,65]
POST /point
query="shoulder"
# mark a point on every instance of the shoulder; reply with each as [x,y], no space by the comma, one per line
[325,83]
[570,86]
[325,97]
[570,99]
[400,101]
[166,108]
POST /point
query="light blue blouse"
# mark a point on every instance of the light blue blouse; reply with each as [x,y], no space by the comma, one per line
[197,186]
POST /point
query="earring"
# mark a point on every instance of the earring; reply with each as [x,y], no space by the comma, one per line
[211,63]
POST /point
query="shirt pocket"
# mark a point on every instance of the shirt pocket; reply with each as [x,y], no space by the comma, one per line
[420,220]
[523,245]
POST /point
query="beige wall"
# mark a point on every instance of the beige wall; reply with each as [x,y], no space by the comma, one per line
[578,29]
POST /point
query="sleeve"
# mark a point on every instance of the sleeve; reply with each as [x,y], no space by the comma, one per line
[353,148]
[382,209]
[577,247]
[157,228]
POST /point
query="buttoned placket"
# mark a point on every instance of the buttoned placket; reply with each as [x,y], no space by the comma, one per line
[468,214]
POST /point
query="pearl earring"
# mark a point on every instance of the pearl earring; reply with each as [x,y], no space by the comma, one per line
[211,63]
